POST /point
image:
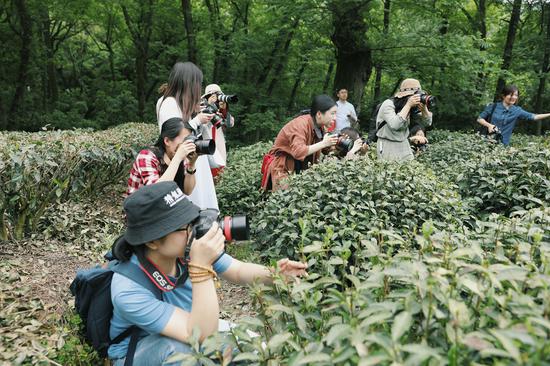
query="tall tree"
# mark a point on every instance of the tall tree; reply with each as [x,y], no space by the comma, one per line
[478,22]
[508,47]
[140,27]
[378,68]
[25,34]
[190,30]
[545,63]
[353,53]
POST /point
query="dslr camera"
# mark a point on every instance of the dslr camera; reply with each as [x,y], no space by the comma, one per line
[495,136]
[233,227]
[216,120]
[428,100]
[345,143]
[202,147]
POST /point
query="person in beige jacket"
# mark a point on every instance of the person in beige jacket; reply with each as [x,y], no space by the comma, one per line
[394,118]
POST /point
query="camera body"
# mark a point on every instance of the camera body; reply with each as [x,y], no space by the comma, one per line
[495,136]
[233,227]
[345,143]
[202,147]
[216,120]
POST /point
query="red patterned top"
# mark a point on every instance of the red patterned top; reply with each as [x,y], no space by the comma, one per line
[147,169]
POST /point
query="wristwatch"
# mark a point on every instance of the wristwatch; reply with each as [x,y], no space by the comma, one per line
[191,172]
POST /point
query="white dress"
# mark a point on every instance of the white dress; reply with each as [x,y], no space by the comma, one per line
[204,193]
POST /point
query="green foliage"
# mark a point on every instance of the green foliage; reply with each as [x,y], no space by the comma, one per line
[347,199]
[494,178]
[41,168]
[239,188]
[74,350]
[480,296]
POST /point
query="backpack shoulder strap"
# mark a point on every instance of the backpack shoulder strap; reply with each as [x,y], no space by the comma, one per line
[133,272]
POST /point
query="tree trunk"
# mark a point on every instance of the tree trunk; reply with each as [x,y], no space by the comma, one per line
[217,28]
[544,68]
[283,57]
[51,79]
[24,55]
[510,38]
[328,77]
[297,82]
[188,20]
[141,30]
[353,53]
[378,69]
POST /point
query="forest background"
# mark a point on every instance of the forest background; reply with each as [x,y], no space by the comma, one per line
[87,63]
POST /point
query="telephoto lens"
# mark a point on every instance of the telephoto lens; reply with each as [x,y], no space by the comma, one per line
[228,98]
[233,227]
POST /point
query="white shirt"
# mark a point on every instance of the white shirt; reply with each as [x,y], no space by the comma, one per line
[204,193]
[342,120]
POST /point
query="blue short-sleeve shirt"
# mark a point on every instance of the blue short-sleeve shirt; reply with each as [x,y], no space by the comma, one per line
[505,118]
[135,305]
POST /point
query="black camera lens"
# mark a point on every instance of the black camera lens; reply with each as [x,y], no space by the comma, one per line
[233,227]
[345,143]
[205,147]
[428,100]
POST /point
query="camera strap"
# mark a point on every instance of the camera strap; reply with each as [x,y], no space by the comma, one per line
[159,278]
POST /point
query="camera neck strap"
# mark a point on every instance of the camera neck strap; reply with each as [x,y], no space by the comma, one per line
[159,278]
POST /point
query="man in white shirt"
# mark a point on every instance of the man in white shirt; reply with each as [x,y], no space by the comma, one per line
[345,115]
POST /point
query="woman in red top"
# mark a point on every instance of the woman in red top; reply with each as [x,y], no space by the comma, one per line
[172,158]
[299,142]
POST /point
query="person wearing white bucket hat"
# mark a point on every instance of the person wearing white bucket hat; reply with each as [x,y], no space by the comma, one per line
[394,118]
[216,127]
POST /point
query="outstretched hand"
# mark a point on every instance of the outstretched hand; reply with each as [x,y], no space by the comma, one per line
[290,268]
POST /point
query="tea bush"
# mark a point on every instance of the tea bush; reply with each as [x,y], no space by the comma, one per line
[444,298]
[348,198]
[239,188]
[493,178]
[43,167]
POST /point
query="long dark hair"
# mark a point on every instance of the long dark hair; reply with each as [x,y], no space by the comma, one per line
[321,103]
[399,103]
[170,129]
[184,85]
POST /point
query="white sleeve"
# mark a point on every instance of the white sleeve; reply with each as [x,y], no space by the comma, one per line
[166,109]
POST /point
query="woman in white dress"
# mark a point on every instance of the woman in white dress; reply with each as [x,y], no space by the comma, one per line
[181,98]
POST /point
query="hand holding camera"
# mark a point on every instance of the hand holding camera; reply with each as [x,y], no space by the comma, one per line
[206,249]
[330,140]
[184,149]
[205,116]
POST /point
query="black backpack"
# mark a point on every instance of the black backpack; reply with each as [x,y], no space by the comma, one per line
[373,130]
[92,291]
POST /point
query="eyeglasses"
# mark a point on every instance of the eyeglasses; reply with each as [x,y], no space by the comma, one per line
[184,228]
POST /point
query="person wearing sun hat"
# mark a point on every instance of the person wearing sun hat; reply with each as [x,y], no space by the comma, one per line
[159,228]
[216,131]
[394,118]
